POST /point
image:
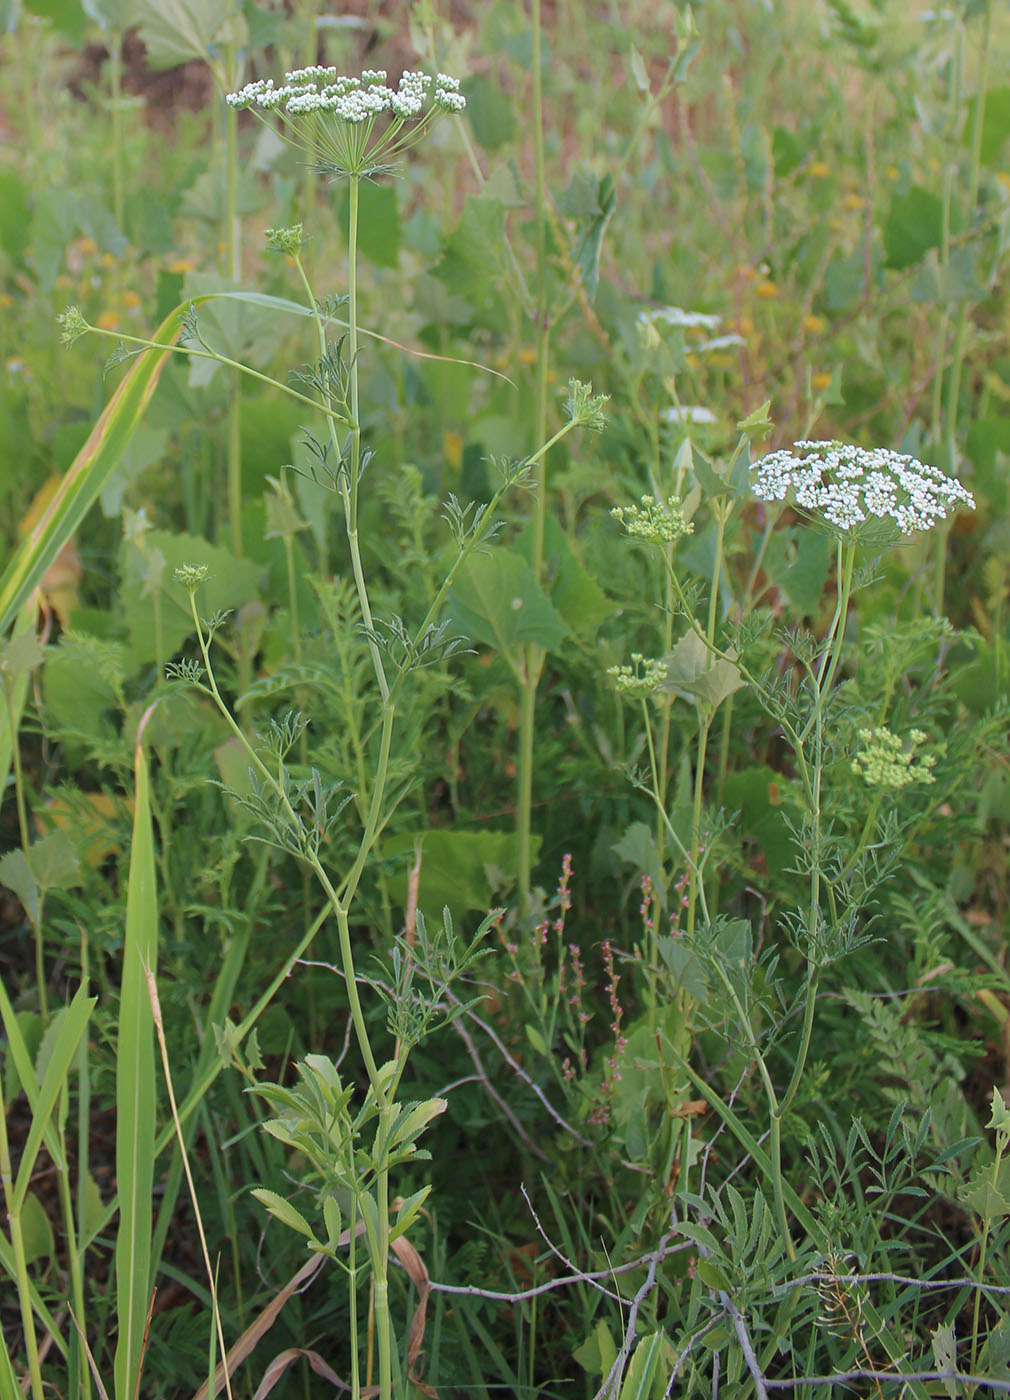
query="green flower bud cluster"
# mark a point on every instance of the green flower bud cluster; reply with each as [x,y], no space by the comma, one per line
[72,325]
[886,762]
[657,521]
[641,678]
[191,576]
[585,407]
[285,240]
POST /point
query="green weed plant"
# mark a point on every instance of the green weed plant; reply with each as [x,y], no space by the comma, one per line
[538,895]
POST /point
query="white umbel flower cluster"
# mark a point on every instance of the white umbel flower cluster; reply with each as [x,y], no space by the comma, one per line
[333,117]
[849,486]
[354,100]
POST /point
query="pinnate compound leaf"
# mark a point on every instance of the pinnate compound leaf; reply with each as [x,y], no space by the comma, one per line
[284,1211]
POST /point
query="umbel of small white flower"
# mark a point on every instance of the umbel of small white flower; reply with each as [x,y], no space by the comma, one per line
[851,486]
[334,118]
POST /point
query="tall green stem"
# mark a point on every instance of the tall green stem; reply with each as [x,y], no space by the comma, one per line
[704,724]
[116,98]
[25,834]
[822,687]
[954,374]
[533,656]
[349,479]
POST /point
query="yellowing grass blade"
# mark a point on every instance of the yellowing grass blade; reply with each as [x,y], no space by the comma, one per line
[20,690]
[85,478]
[135,1089]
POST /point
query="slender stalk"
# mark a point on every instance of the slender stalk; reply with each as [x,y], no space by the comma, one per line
[307,19]
[159,1027]
[349,481]
[956,369]
[116,99]
[704,725]
[70,1234]
[29,112]
[835,639]
[20,1261]
[532,655]
[229,363]
[352,1301]
[25,833]
[938,430]
[83,1147]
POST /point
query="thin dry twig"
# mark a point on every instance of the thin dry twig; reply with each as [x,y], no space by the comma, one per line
[517,1069]
[493,1093]
[612,1380]
[1003,1387]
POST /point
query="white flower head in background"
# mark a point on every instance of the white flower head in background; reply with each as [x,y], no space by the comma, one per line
[352,126]
[855,490]
[680,413]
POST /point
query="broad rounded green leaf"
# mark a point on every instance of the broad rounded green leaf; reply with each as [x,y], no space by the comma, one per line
[497,601]
[178,31]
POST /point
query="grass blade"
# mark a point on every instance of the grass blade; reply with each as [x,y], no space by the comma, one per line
[136,1089]
[89,472]
[72,1024]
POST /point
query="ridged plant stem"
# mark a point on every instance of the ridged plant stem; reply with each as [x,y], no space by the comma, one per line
[532,655]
